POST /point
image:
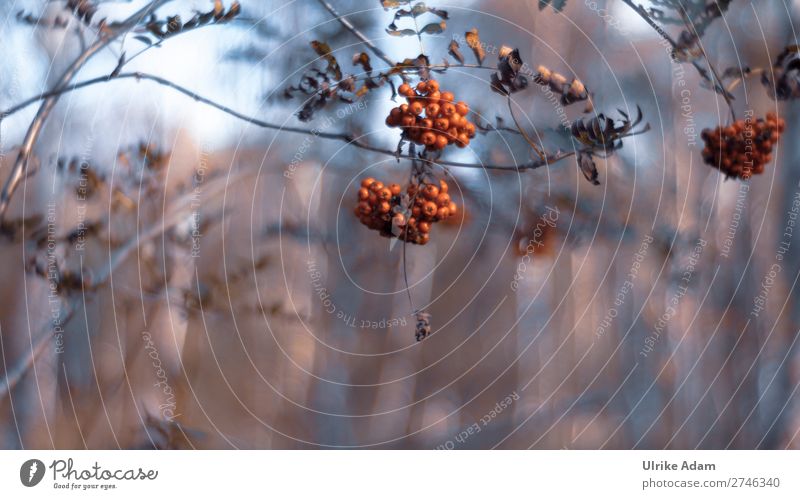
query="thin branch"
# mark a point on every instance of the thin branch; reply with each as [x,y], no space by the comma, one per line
[717,80]
[18,172]
[345,137]
[347,24]
[740,79]
[639,9]
[524,134]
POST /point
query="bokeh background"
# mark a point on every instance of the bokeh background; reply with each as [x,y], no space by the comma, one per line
[179,278]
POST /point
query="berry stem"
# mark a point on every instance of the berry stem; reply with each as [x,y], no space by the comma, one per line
[523,133]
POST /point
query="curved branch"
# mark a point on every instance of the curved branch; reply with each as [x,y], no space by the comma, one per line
[522,132]
[344,137]
[104,39]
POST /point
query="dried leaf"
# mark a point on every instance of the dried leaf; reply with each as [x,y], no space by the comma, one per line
[602,133]
[454,51]
[783,82]
[393,4]
[144,39]
[474,42]
[362,91]
[588,167]
[362,59]
[423,325]
[509,79]
[420,64]
[400,32]
[434,28]
[324,50]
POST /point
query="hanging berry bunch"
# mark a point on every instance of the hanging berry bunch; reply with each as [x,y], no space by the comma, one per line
[444,121]
[743,148]
[407,217]
[377,204]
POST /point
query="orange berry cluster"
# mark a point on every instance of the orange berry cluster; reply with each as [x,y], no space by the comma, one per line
[444,121]
[744,148]
[382,208]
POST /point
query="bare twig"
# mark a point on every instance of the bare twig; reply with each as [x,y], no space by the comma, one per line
[524,134]
[105,37]
[350,27]
[740,79]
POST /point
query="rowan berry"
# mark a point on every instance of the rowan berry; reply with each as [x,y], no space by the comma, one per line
[429,209]
[743,148]
[432,110]
[430,191]
[449,119]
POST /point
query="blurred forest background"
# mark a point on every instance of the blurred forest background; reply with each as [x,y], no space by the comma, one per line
[175,277]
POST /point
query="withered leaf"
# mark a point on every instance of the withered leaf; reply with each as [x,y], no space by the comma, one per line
[497,86]
[362,59]
[474,42]
[348,84]
[362,91]
[783,82]
[603,133]
[324,50]
[434,28]
[144,39]
[454,51]
[509,80]
[393,4]
[418,10]
[588,167]
[393,31]
[420,64]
